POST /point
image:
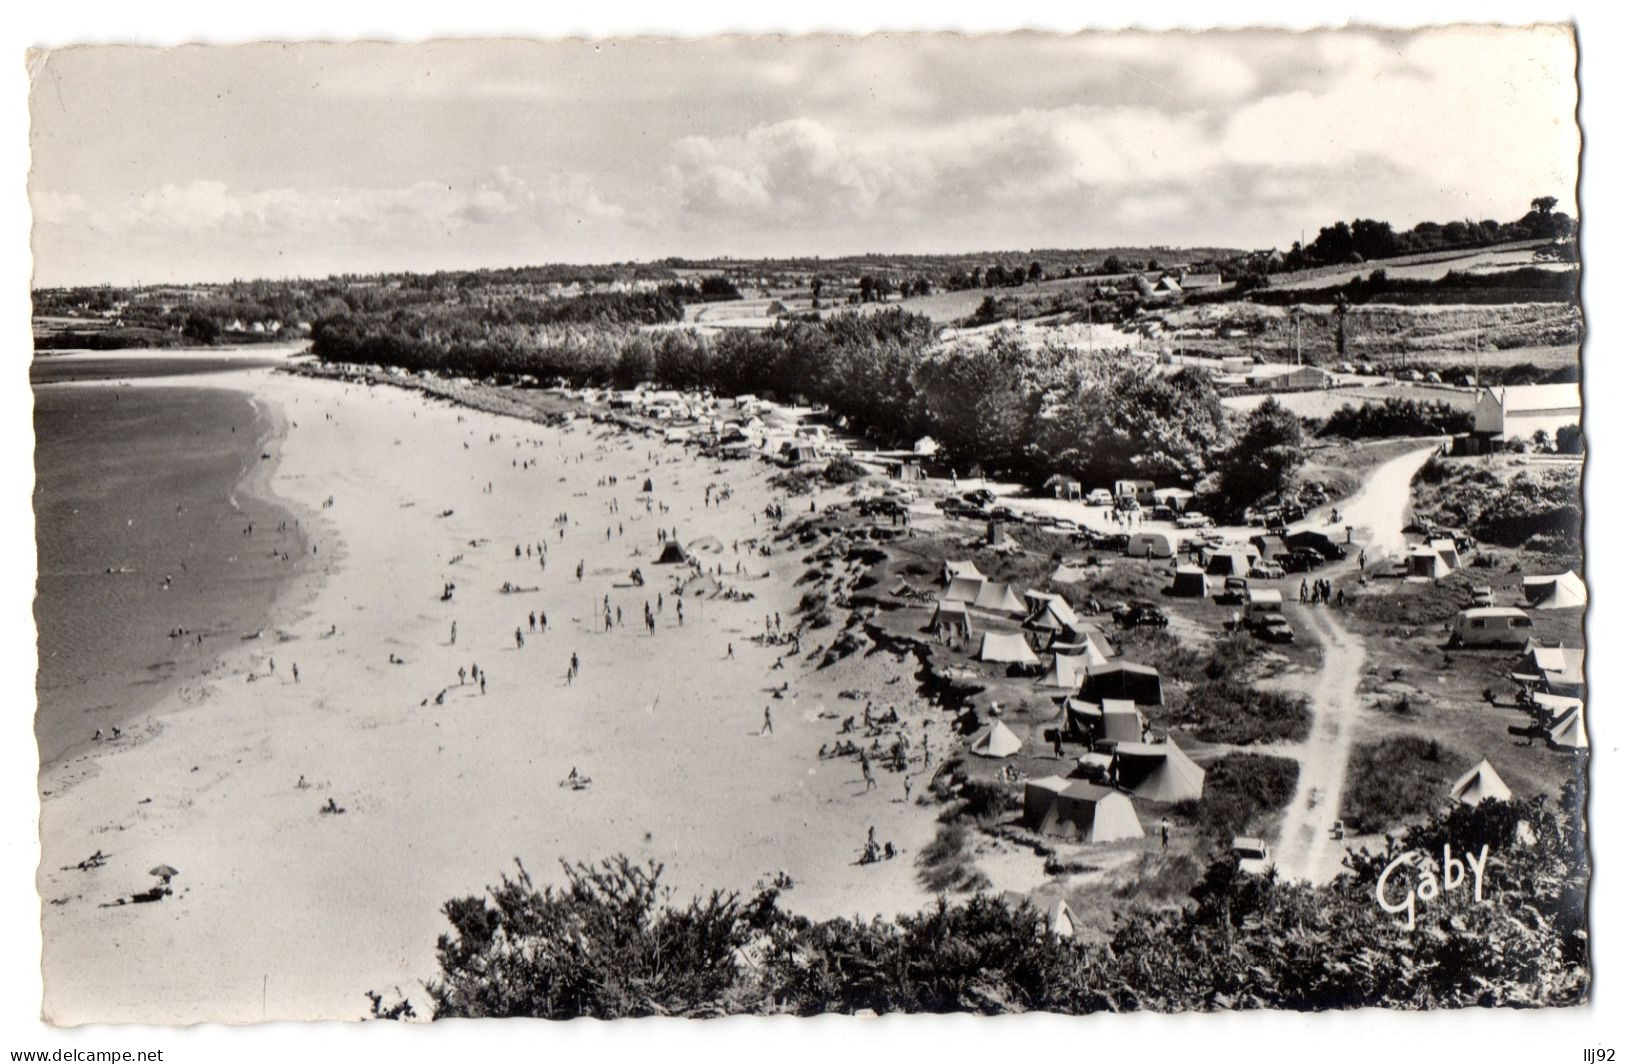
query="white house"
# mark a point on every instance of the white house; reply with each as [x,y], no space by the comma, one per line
[1522,410]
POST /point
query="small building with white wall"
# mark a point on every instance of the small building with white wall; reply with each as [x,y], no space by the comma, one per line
[1524,409]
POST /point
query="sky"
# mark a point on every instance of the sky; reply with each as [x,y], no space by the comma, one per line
[212,163]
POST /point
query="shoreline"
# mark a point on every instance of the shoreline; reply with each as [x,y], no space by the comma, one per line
[142,694]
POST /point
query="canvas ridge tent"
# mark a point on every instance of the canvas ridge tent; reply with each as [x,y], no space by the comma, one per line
[1123,679]
[1120,721]
[995,740]
[1478,783]
[1159,772]
[1067,671]
[997,597]
[1562,592]
[1568,732]
[951,570]
[1189,582]
[963,589]
[1040,603]
[1006,648]
[1230,562]
[1073,809]
[1424,563]
[1446,550]
[953,618]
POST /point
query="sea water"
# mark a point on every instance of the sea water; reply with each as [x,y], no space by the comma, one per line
[141,525]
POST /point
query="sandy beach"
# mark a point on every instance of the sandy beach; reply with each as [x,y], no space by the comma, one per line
[282,911]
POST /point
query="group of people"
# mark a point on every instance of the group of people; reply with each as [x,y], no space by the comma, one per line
[1319,592]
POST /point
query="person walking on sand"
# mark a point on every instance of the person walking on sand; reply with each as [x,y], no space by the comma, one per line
[296,672]
[453,633]
[908,789]
[1164,834]
[518,639]
[767,721]
[730,651]
[482,683]
[462,676]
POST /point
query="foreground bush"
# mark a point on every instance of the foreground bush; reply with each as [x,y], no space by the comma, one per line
[611,943]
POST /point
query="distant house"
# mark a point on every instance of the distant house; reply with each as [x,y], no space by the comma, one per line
[1194,281]
[1064,487]
[1524,409]
[1168,286]
[1296,378]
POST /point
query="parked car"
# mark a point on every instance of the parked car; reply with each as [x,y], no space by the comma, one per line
[1301,560]
[981,497]
[1253,857]
[1140,615]
[1163,513]
[1267,571]
[1193,520]
[1005,513]
[1273,628]
[1484,596]
[1234,593]
[1098,497]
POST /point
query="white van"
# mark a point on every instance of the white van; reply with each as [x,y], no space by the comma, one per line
[1488,626]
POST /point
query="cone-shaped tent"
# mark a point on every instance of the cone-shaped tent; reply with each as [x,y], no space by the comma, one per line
[673,554]
[996,740]
[1478,783]
[950,570]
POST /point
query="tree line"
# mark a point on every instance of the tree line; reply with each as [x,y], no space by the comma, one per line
[1007,406]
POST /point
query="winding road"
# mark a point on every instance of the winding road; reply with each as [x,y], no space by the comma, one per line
[1304,849]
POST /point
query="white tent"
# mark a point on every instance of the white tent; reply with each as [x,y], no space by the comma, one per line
[1121,720]
[1446,549]
[963,589]
[997,597]
[1073,809]
[1569,731]
[950,570]
[1424,563]
[1161,772]
[952,617]
[996,740]
[1067,671]
[1040,603]
[1563,592]
[1478,783]
[1006,648]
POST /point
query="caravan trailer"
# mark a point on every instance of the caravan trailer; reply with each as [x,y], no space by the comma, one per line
[1488,626]
[1151,545]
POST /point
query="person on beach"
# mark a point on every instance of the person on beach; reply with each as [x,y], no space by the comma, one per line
[518,639]
[453,633]
[482,683]
[730,651]
[767,721]
[462,676]
[679,613]
[296,672]
[575,663]
[1165,834]
[908,789]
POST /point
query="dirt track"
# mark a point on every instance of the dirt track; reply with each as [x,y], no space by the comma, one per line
[1305,848]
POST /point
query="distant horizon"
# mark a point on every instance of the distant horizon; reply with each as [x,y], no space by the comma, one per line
[202,165]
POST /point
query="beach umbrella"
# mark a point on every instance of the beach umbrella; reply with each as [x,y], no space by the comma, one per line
[164,871]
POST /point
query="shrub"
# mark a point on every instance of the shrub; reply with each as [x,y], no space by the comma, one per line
[1397,778]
